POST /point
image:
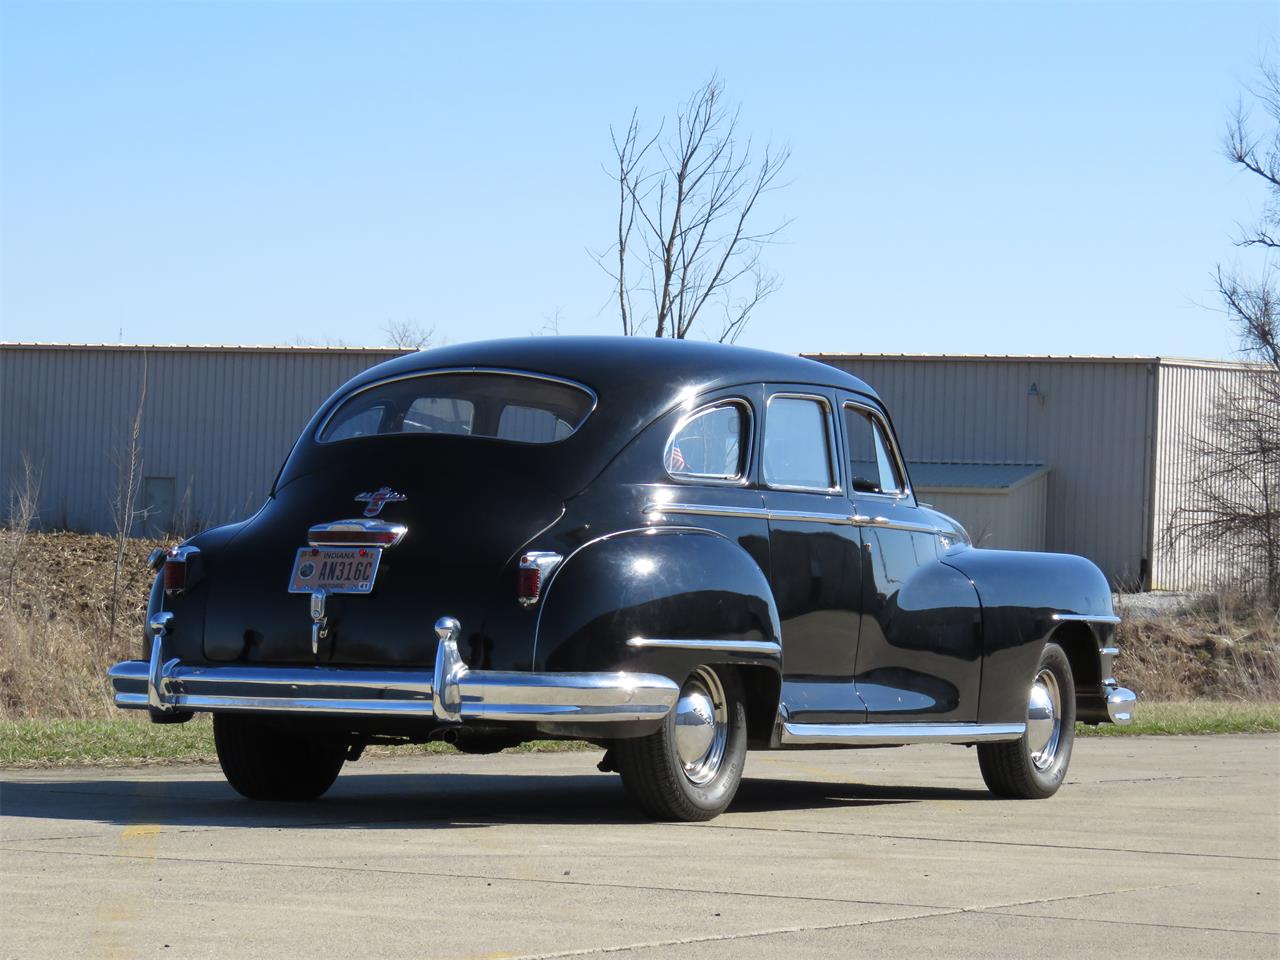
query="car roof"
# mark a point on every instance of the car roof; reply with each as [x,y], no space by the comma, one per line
[648,370]
[636,380]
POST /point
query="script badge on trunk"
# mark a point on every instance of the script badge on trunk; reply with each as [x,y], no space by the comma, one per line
[378,499]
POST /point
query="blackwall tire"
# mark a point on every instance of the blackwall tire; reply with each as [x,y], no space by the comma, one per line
[263,761]
[1033,767]
[691,767]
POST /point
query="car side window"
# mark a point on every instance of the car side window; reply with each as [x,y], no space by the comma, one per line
[708,444]
[872,468]
[797,452]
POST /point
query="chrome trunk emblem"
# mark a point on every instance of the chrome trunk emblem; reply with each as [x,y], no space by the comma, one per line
[378,499]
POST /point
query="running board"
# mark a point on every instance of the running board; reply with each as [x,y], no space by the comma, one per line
[897,734]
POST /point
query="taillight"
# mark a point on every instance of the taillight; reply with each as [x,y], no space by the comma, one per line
[356,533]
[534,569]
[176,562]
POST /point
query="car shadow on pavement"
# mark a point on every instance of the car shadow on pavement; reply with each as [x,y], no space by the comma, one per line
[427,801]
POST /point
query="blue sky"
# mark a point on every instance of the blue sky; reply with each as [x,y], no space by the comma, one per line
[982,178]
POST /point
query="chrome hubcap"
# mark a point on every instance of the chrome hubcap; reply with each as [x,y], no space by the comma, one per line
[1044,720]
[702,726]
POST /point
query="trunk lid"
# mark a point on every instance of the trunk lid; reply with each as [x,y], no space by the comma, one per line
[469,505]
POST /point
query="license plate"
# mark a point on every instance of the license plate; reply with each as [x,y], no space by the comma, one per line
[335,569]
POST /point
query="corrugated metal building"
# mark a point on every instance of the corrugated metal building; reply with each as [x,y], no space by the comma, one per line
[216,424]
[1078,454]
[1110,433]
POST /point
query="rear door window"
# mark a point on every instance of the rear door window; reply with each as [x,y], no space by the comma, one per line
[797,444]
[517,407]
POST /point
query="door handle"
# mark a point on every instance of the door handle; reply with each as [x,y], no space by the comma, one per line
[858,520]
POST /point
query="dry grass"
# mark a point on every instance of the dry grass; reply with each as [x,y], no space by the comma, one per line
[1225,649]
[54,624]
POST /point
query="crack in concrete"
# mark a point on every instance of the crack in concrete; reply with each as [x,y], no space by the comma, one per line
[1131,923]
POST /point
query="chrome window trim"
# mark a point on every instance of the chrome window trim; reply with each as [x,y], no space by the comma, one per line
[744,456]
[440,371]
[832,465]
[906,493]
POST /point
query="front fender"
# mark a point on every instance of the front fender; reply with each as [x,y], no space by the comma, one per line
[1021,593]
[676,584]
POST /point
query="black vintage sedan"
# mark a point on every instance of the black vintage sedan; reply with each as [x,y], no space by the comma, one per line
[678,551]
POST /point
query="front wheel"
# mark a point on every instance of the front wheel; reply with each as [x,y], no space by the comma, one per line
[1034,766]
[690,768]
[266,761]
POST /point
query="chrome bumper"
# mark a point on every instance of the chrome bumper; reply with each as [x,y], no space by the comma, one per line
[1120,703]
[451,693]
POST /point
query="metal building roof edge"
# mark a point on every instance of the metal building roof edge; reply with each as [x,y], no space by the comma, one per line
[1032,470]
[203,347]
[1040,358]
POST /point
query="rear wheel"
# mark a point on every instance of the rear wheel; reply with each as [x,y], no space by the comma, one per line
[264,761]
[690,768]
[1034,766]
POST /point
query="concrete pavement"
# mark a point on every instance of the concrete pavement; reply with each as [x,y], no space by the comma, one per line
[1156,847]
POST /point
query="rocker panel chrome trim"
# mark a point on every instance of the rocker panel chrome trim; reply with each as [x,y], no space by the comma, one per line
[894,734]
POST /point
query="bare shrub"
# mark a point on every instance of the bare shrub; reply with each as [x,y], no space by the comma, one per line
[124,505]
[24,501]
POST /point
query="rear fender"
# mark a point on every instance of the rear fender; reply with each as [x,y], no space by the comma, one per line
[658,600]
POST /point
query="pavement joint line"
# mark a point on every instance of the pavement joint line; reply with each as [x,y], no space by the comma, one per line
[727,937]
[1130,923]
[820,928]
[556,881]
[612,886]
[1000,843]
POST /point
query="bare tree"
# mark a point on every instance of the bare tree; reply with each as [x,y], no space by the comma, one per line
[408,335]
[24,501]
[686,244]
[124,502]
[1235,486]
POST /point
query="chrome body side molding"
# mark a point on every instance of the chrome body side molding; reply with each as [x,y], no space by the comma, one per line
[1085,618]
[897,734]
[656,510]
[767,647]
[451,693]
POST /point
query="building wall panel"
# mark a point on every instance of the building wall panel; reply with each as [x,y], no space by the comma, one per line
[219,421]
[1188,394]
[1091,422]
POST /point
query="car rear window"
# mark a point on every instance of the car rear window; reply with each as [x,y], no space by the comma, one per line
[519,407]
